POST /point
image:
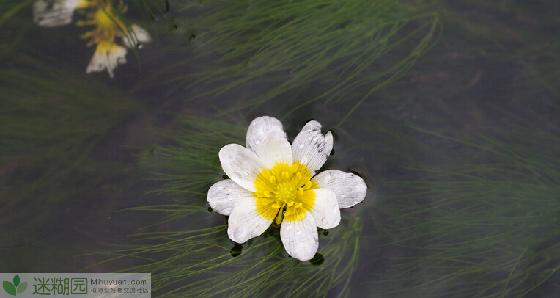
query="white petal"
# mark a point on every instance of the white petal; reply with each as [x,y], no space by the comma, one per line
[241,165]
[300,237]
[262,128]
[245,222]
[224,194]
[325,209]
[54,13]
[274,149]
[350,189]
[311,147]
[136,36]
[107,57]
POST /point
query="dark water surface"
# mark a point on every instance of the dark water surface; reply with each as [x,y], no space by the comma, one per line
[460,152]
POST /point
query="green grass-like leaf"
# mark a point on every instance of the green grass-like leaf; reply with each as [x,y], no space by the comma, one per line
[345,51]
[478,228]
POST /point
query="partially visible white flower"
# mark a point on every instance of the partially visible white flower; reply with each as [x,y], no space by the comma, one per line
[108,29]
[107,56]
[271,180]
[136,36]
[56,12]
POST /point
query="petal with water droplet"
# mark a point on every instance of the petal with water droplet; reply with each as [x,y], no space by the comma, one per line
[300,238]
[223,195]
[350,189]
[311,147]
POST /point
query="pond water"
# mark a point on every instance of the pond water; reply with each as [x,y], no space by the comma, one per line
[449,110]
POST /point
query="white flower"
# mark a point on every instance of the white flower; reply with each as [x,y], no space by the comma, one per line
[56,12]
[107,57]
[136,36]
[273,180]
[107,29]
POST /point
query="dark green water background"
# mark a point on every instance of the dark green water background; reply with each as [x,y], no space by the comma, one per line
[460,152]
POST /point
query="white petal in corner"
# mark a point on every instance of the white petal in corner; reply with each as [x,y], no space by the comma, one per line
[55,13]
[107,57]
[241,165]
[245,222]
[263,128]
[136,36]
[311,147]
[223,195]
[350,189]
[325,210]
[274,149]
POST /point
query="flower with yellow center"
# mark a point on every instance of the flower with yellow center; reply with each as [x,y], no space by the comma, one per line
[273,181]
[108,28]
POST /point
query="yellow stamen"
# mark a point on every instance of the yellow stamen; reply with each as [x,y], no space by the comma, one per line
[285,192]
[105,20]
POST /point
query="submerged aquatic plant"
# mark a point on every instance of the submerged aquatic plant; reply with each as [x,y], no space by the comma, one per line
[271,180]
[201,263]
[51,122]
[481,225]
[543,67]
[330,51]
[105,18]
[189,259]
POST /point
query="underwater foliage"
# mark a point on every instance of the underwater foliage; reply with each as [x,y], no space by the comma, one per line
[203,263]
[11,8]
[191,165]
[331,51]
[190,260]
[542,65]
[484,225]
[51,120]
[473,211]
[520,32]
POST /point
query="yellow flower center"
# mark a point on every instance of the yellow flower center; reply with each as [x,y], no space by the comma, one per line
[285,191]
[103,19]
[105,46]
[106,22]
